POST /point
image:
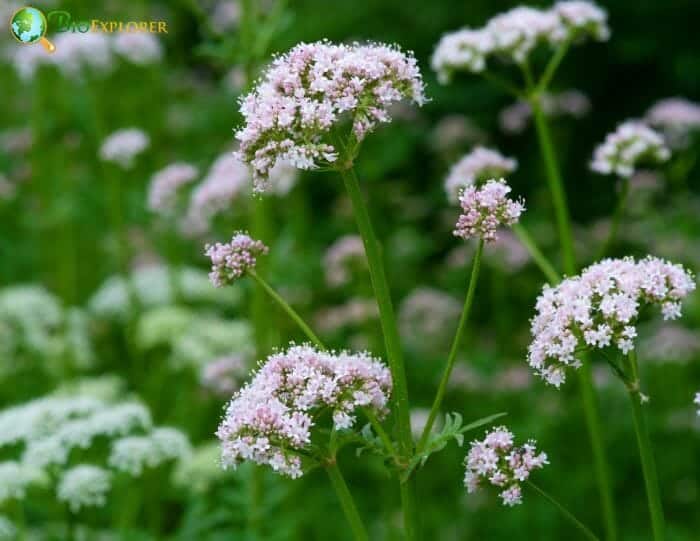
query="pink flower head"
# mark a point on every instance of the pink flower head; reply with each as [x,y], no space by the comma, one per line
[308,91]
[230,261]
[269,421]
[165,185]
[599,309]
[480,164]
[485,209]
[495,460]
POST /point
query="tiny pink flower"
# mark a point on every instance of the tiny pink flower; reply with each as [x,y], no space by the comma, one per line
[232,260]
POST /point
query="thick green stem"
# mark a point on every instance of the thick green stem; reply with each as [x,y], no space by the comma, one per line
[586,381]
[537,256]
[288,309]
[564,511]
[617,217]
[391,339]
[347,502]
[646,455]
[452,356]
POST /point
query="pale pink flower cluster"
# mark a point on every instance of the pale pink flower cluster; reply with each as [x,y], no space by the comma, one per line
[676,117]
[514,34]
[353,313]
[697,401]
[166,183]
[232,260]
[629,145]
[485,209]
[139,48]
[226,179]
[516,117]
[223,376]
[122,147]
[479,165]
[599,309]
[269,421]
[497,461]
[308,91]
[341,257]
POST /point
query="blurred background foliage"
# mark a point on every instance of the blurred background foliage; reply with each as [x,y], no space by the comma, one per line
[65,315]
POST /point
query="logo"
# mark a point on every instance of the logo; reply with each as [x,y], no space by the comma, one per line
[28,25]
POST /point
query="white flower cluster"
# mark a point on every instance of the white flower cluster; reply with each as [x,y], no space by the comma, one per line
[8,531]
[269,421]
[94,52]
[308,91]
[133,454]
[344,255]
[166,183]
[697,401]
[16,478]
[427,317]
[479,165]
[514,34]
[123,146]
[676,118]
[599,309]
[84,486]
[629,145]
[497,461]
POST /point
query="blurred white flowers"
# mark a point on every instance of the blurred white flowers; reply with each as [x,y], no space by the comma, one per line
[84,486]
[140,48]
[479,165]
[165,185]
[122,147]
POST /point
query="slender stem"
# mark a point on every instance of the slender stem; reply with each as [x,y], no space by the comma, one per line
[386,309]
[564,511]
[502,84]
[537,256]
[391,339]
[347,502]
[556,188]
[409,509]
[646,455]
[552,66]
[452,356]
[285,306]
[617,217]
[590,410]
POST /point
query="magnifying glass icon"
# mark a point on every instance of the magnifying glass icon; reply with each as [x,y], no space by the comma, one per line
[28,25]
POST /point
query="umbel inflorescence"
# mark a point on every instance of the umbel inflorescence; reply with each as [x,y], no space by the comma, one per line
[497,461]
[599,309]
[485,209]
[514,34]
[270,420]
[631,144]
[230,261]
[307,92]
[479,165]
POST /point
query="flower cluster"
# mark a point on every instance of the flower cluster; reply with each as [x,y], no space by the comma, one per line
[355,312]
[223,375]
[230,261]
[697,401]
[166,183]
[269,421]
[676,118]
[123,146]
[480,164]
[427,318]
[514,34]
[599,308]
[629,145]
[305,93]
[516,117]
[133,454]
[84,486]
[140,48]
[341,257]
[497,461]
[485,209]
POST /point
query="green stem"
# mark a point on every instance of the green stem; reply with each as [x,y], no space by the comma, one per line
[645,453]
[552,66]
[452,356]
[564,511]
[556,188]
[379,429]
[347,502]
[285,306]
[585,377]
[391,338]
[502,84]
[537,256]
[617,217]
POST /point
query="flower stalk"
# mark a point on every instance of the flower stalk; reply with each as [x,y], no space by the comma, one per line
[588,534]
[346,501]
[452,356]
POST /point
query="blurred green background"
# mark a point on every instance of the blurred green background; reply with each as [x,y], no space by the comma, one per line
[71,224]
